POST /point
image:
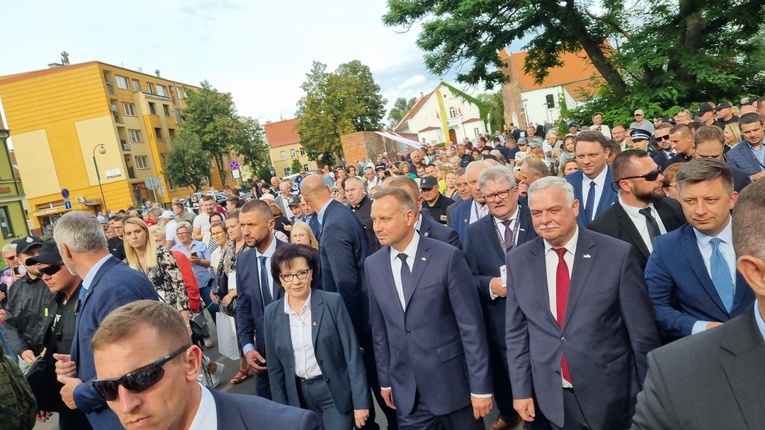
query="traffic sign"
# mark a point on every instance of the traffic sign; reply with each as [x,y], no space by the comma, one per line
[67,204]
[65,193]
[234,165]
[161,191]
[151,182]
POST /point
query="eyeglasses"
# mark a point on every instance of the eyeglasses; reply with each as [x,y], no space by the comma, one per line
[660,138]
[637,114]
[501,194]
[137,381]
[10,258]
[52,269]
[650,176]
[180,233]
[289,277]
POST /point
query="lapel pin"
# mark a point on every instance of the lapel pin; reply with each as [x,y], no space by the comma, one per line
[466,220]
[314,323]
[522,229]
[424,259]
[586,256]
[427,233]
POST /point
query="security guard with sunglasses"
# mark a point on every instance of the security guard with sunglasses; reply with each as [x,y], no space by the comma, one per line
[60,324]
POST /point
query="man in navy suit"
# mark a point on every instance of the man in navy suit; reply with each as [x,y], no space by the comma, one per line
[579,319]
[474,208]
[691,275]
[592,182]
[343,247]
[429,335]
[107,284]
[463,193]
[709,142]
[641,212]
[256,287]
[489,240]
[152,336]
[749,154]
[425,226]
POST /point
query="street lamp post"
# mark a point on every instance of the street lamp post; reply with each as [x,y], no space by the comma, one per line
[101,150]
[525,111]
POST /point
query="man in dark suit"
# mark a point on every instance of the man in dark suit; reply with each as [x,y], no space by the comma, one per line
[256,288]
[641,212]
[309,217]
[663,145]
[424,225]
[742,156]
[107,284]
[714,380]
[463,193]
[343,247]
[579,319]
[474,208]
[592,182]
[489,239]
[691,274]
[681,137]
[143,333]
[361,206]
[429,335]
[116,246]
[709,142]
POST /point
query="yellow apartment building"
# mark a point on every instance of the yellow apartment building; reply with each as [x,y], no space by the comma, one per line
[13,219]
[67,121]
[284,146]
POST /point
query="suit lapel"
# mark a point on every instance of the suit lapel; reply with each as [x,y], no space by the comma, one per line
[629,227]
[526,230]
[317,312]
[539,265]
[424,226]
[421,260]
[608,196]
[671,219]
[488,225]
[742,360]
[388,284]
[696,262]
[586,255]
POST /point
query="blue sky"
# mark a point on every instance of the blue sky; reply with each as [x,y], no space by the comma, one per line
[258,51]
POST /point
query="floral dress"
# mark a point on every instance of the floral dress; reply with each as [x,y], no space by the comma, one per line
[168,281]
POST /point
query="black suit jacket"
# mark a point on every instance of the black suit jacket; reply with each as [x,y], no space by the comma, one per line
[615,222]
[241,412]
[711,380]
[343,247]
[435,230]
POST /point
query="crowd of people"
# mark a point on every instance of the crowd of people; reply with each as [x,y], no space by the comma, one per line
[608,279]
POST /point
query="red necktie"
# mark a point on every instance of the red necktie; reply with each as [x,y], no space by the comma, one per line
[562,281]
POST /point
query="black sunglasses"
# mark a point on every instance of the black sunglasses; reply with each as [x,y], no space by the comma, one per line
[660,138]
[651,176]
[52,269]
[137,381]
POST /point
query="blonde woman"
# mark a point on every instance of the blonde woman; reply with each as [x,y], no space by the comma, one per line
[441,173]
[301,234]
[733,135]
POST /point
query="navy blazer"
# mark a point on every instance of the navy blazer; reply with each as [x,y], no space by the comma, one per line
[114,285]
[249,302]
[343,247]
[616,222]
[435,230]
[460,219]
[485,255]
[681,289]
[741,157]
[313,223]
[608,329]
[336,349]
[243,412]
[435,349]
[607,197]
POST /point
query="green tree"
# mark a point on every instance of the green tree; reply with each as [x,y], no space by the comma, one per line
[296,166]
[400,107]
[496,109]
[669,53]
[337,103]
[187,163]
[211,116]
[252,145]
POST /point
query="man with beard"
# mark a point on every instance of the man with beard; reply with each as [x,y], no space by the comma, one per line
[641,212]
[663,145]
[620,136]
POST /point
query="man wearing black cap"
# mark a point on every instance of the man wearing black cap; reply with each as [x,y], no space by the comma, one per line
[433,199]
[725,115]
[706,114]
[61,323]
[29,301]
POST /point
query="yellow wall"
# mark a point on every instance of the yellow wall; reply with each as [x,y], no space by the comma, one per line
[280,165]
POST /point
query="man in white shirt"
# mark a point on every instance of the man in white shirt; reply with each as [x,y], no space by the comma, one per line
[597,125]
[146,338]
[202,221]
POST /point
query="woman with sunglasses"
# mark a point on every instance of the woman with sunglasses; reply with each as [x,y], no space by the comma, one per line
[310,341]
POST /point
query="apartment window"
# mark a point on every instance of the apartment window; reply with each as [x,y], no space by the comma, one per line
[152,108]
[128,108]
[158,133]
[284,155]
[292,153]
[122,82]
[302,151]
[5,223]
[135,136]
[142,162]
[151,88]
[161,90]
[305,167]
[171,131]
[180,92]
[166,108]
[136,85]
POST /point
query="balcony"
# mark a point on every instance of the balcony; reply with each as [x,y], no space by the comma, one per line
[125,145]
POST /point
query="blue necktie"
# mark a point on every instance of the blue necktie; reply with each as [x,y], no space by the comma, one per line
[589,207]
[83,293]
[721,276]
[406,276]
[267,299]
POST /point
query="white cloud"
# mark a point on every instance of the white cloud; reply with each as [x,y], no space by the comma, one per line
[414,80]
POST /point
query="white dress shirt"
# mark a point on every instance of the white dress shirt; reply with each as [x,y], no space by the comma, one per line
[395,264]
[269,252]
[306,365]
[640,221]
[477,211]
[726,249]
[551,266]
[600,182]
[206,417]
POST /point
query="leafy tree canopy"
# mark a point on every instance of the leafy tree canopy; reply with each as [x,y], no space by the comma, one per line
[187,163]
[400,107]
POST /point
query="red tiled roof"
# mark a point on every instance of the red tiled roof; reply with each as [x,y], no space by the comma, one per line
[429,129]
[576,69]
[471,120]
[413,111]
[282,133]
